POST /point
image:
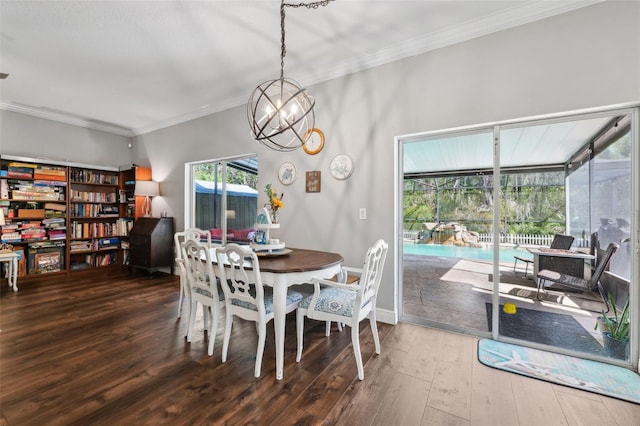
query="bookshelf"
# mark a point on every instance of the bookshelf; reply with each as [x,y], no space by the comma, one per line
[61,218]
[130,205]
[33,199]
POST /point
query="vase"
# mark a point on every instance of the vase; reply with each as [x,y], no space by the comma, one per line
[273,214]
[615,348]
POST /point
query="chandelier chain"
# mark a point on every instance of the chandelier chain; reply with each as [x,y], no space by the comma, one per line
[280,112]
[283,49]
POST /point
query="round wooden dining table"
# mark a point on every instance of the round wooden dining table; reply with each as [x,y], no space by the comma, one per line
[296,266]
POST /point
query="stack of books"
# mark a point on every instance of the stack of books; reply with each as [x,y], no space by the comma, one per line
[50,173]
[10,233]
[20,170]
[36,190]
[54,209]
[77,246]
[32,232]
[108,243]
[56,228]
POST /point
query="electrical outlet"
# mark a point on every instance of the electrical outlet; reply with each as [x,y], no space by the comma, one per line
[363,213]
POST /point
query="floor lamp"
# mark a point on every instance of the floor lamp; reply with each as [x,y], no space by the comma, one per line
[147,189]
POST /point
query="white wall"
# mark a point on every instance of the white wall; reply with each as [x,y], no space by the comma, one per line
[586,58]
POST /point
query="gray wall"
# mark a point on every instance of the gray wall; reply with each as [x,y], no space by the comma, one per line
[28,136]
[586,58]
[582,59]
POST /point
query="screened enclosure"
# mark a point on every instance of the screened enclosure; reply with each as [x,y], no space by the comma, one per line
[568,173]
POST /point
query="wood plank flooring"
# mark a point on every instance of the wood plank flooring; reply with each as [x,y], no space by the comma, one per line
[107,348]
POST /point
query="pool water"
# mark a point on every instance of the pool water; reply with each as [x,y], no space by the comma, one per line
[506,253]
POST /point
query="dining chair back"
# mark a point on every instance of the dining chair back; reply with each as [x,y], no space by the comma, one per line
[245,295]
[347,303]
[202,285]
[179,238]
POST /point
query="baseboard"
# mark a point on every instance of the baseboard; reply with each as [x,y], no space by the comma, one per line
[386,316]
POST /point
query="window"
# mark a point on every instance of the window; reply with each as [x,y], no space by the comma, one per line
[223,198]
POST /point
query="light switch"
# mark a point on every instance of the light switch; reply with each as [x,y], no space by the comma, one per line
[363,213]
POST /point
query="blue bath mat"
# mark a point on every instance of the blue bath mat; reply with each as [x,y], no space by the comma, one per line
[591,376]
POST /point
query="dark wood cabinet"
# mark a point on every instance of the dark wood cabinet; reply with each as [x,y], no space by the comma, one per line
[151,244]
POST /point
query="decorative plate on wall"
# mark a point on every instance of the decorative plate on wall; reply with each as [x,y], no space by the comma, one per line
[341,166]
[287,173]
[315,141]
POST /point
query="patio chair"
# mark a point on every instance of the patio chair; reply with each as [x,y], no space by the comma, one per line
[560,241]
[561,281]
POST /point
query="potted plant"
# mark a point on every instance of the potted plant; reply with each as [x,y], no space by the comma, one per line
[616,340]
[603,321]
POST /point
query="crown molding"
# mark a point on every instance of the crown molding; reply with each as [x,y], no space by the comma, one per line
[499,21]
[67,119]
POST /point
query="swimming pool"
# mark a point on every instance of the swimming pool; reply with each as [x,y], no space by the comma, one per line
[506,253]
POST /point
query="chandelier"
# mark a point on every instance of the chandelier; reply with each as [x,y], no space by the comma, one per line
[280,112]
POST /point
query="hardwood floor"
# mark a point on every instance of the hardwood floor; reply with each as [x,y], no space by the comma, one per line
[106,348]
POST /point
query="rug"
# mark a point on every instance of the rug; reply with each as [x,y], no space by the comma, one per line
[547,328]
[586,375]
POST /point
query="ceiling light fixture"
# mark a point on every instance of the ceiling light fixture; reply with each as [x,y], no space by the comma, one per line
[280,112]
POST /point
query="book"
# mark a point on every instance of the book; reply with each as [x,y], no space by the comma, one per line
[55,206]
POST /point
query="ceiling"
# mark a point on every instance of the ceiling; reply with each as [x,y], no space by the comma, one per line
[131,67]
[524,146]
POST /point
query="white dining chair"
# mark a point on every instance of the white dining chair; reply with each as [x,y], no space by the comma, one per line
[347,303]
[179,238]
[202,285]
[245,295]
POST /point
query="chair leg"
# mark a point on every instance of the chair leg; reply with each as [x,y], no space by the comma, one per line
[192,320]
[327,331]
[181,299]
[206,317]
[299,332]
[262,337]
[355,341]
[190,308]
[540,282]
[374,330]
[227,335]
[215,318]
[603,296]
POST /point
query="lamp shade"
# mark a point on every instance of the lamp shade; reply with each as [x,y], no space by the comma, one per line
[147,188]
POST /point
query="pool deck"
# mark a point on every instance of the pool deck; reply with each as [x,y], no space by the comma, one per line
[453,292]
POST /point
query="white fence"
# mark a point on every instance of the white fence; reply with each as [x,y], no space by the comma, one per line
[519,239]
[410,235]
[515,239]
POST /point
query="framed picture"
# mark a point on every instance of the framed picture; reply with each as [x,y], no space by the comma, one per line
[313,181]
[287,173]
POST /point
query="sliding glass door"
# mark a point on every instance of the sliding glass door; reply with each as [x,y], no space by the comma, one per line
[447,220]
[223,198]
[509,190]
